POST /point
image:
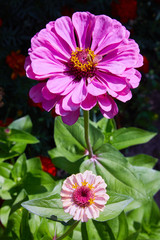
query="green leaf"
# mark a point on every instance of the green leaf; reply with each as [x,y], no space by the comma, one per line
[19,147]
[150,178]
[142,160]
[76,234]
[22,196]
[4,213]
[93,230]
[70,137]
[7,155]
[104,230]
[20,168]
[3,135]
[155,213]
[148,219]
[84,231]
[23,123]
[123,227]
[33,164]
[115,205]
[69,167]
[70,140]
[5,169]
[46,228]
[22,136]
[5,185]
[119,175]
[106,125]
[126,137]
[96,136]
[25,233]
[63,153]
[134,236]
[38,183]
[13,226]
[49,207]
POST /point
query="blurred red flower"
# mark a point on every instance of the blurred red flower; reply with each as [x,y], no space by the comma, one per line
[1,22]
[124,9]
[16,61]
[2,93]
[48,166]
[145,67]
[6,122]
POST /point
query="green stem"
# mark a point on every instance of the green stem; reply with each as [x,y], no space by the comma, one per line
[86,132]
[68,231]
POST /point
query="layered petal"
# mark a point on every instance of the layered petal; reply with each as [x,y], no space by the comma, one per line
[65,30]
[107,106]
[79,93]
[59,83]
[103,25]
[44,63]
[83,23]
[35,92]
[71,117]
[89,102]
[115,83]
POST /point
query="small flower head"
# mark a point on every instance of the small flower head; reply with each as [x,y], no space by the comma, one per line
[7,131]
[84,195]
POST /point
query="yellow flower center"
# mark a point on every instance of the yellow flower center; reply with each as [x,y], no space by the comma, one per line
[83,60]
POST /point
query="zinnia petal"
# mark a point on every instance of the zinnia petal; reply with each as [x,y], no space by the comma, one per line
[64,28]
[71,117]
[83,23]
[44,63]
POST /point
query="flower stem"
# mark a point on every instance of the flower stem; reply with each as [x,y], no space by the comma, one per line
[68,231]
[86,132]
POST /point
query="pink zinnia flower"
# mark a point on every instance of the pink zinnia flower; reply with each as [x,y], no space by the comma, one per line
[84,195]
[81,62]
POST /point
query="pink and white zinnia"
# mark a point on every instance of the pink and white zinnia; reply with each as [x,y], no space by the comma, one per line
[83,61]
[84,195]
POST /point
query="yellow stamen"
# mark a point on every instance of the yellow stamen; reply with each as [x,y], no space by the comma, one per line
[84,183]
[75,185]
[91,201]
[90,186]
